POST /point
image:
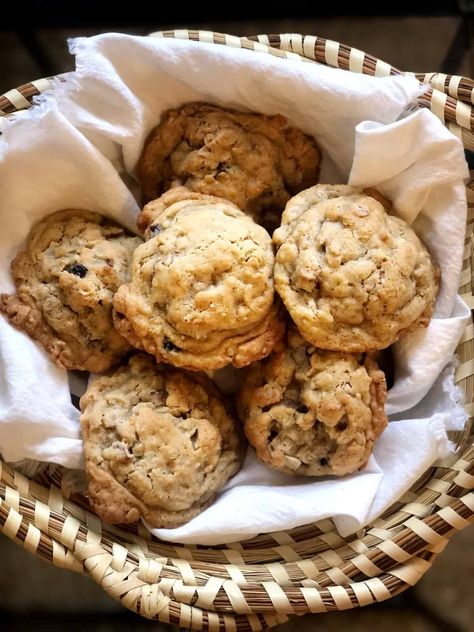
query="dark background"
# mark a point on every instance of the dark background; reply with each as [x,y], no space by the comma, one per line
[416,36]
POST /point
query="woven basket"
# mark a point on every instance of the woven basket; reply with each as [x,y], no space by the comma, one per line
[256,584]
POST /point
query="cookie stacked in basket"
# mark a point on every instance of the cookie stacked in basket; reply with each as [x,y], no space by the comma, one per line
[300,319]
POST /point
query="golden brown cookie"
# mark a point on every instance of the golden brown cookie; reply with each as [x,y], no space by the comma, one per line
[65,279]
[201,295]
[255,161]
[353,277]
[158,443]
[312,412]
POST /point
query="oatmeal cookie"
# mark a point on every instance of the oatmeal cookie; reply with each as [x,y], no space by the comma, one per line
[353,277]
[201,295]
[255,161]
[312,412]
[65,279]
[158,444]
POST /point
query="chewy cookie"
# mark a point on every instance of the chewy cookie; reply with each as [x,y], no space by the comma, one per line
[158,444]
[201,295]
[312,412]
[255,161]
[353,277]
[65,279]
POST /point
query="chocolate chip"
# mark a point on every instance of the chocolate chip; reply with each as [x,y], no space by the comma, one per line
[302,409]
[77,269]
[323,462]
[342,425]
[169,346]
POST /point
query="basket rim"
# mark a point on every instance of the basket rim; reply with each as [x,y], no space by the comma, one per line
[255,584]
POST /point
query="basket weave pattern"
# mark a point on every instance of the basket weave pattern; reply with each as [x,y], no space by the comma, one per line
[256,584]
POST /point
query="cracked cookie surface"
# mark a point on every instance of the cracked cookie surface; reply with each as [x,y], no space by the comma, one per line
[158,444]
[201,295]
[255,161]
[65,279]
[312,412]
[353,277]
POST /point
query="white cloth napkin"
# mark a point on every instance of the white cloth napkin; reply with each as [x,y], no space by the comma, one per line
[69,152]
[45,165]
[421,172]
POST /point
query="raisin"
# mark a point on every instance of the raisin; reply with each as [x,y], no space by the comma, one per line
[273,434]
[323,462]
[77,269]
[169,346]
[155,229]
[302,409]
[342,425]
